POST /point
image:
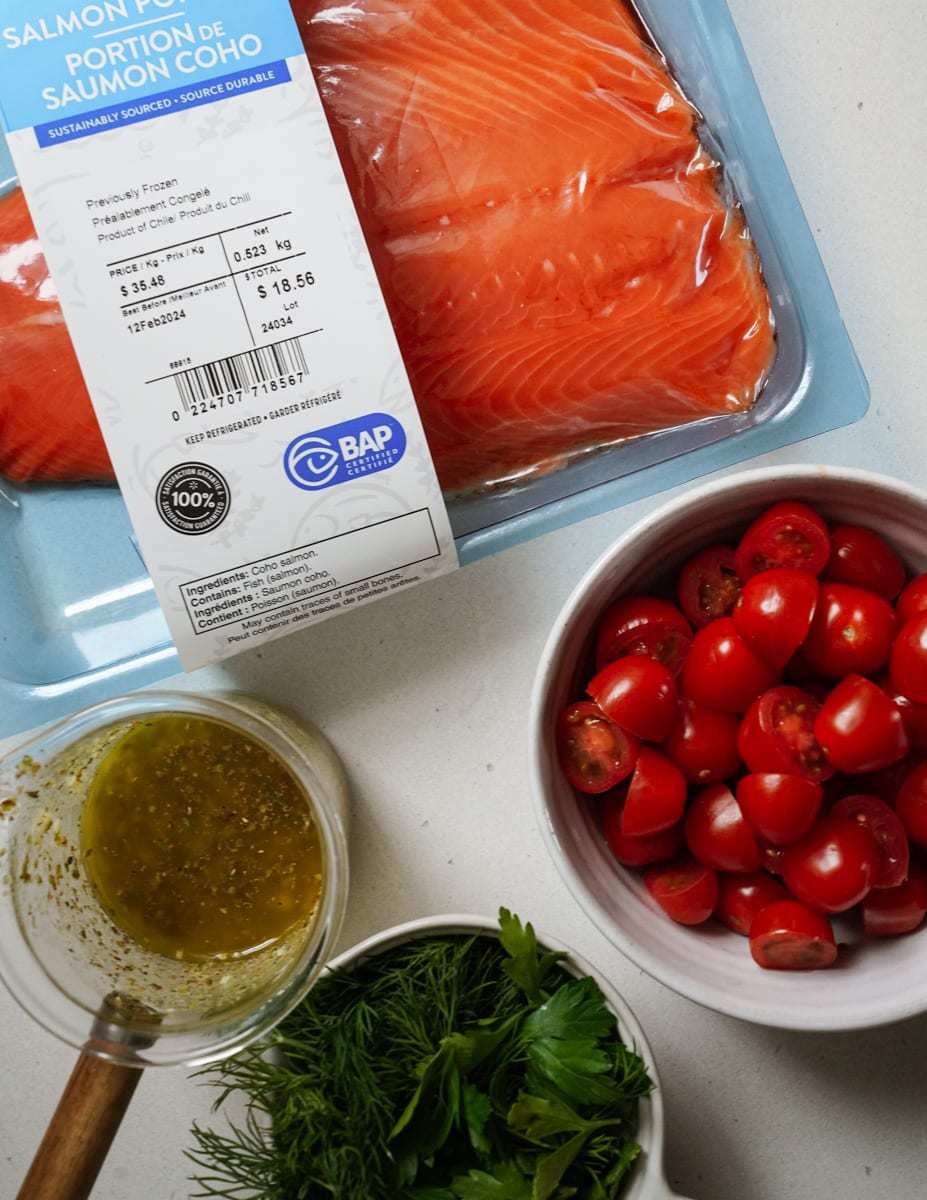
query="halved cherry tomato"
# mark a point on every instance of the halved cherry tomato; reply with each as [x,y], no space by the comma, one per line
[788,534]
[860,728]
[908,663]
[703,742]
[788,936]
[774,610]
[717,833]
[637,693]
[686,890]
[643,625]
[740,898]
[709,585]
[832,866]
[911,804]
[777,735]
[722,672]
[636,851]
[779,808]
[885,826]
[862,557]
[656,794]
[594,753]
[900,909]
[852,631]
[913,598]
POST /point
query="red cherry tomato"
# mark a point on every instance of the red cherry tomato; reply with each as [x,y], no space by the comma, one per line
[636,851]
[703,742]
[908,663]
[708,585]
[643,625]
[913,599]
[656,794]
[832,866]
[859,727]
[900,909]
[777,735]
[851,632]
[913,714]
[594,753]
[721,670]
[789,534]
[686,890]
[717,833]
[911,804]
[773,613]
[637,693]
[772,857]
[788,936]
[740,898]
[886,828]
[779,808]
[861,557]
[884,783]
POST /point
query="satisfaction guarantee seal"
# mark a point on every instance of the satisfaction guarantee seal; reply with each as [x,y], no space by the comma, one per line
[193,498]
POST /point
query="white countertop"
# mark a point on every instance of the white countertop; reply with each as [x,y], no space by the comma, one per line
[424,694]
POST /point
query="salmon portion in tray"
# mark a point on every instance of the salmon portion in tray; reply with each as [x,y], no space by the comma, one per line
[561,257]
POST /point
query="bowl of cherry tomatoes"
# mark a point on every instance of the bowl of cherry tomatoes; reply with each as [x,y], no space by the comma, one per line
[729,746]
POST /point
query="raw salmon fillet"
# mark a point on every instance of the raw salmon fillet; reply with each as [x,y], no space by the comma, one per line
[560,257]
[48,429]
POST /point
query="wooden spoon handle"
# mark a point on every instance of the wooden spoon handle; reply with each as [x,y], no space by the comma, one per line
[81,1130]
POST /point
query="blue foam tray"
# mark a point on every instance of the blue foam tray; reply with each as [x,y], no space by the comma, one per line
[77,608]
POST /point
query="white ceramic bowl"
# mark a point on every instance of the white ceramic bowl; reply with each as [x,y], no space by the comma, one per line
[647,1181]
[875,981]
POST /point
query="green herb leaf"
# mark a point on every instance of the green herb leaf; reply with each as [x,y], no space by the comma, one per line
[538,1119]
[477,1111]
[525,967]
[432,1112]
[505,1183]
[562,1039]
[552,1167]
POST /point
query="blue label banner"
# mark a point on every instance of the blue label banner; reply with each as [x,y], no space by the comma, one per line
[190,96]
[61,64]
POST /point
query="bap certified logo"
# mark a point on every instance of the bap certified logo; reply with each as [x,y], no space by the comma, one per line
[346,451]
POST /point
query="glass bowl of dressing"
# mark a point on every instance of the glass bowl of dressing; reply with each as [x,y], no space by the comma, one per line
[173,873]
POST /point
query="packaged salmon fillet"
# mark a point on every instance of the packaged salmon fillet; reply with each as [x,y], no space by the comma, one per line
[563,261]
[599,278]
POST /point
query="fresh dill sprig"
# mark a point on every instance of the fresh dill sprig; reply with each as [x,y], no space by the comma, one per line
[449,1068]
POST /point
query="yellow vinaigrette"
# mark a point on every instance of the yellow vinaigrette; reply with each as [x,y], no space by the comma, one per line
[198,840]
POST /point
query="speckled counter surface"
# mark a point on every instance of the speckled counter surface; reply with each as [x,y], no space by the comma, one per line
[424,694]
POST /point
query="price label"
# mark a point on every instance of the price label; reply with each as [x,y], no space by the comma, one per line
[179,168]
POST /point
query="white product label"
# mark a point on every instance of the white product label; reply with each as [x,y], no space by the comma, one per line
[227,319]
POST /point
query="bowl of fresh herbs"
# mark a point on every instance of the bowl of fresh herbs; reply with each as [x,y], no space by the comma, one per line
[449,1058]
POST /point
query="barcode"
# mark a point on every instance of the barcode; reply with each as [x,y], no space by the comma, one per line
[240,372]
